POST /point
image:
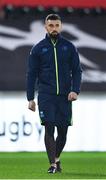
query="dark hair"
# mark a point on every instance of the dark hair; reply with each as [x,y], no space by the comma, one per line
[53,17]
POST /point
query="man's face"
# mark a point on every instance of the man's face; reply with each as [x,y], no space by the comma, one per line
[53,27]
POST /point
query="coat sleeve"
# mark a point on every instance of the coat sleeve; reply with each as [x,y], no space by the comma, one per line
[76,71]
[32,73]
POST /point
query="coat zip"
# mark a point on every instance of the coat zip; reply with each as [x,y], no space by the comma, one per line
[56,67]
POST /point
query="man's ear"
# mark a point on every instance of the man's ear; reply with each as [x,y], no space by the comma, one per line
[45,26]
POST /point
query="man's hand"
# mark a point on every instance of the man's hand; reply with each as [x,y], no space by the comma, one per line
[32,105]
[72,96]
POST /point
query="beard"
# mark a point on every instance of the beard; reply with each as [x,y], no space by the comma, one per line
[53,35]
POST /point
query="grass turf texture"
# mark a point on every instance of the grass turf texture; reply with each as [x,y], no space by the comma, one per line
[75,165]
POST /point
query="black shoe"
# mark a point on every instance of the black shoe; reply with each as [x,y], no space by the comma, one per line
[52,169]
[58,166]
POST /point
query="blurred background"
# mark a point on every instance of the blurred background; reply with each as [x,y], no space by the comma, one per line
[22,26]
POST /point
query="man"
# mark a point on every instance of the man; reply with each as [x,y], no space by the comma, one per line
[55,62]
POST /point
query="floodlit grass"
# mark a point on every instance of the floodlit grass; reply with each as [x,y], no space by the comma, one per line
[75,165]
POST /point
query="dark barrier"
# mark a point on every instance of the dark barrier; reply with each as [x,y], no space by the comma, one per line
[17,35]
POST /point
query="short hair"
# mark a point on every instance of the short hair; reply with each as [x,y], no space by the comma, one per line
[53,17]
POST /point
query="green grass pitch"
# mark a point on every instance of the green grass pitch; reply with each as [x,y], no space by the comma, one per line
[34,165]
